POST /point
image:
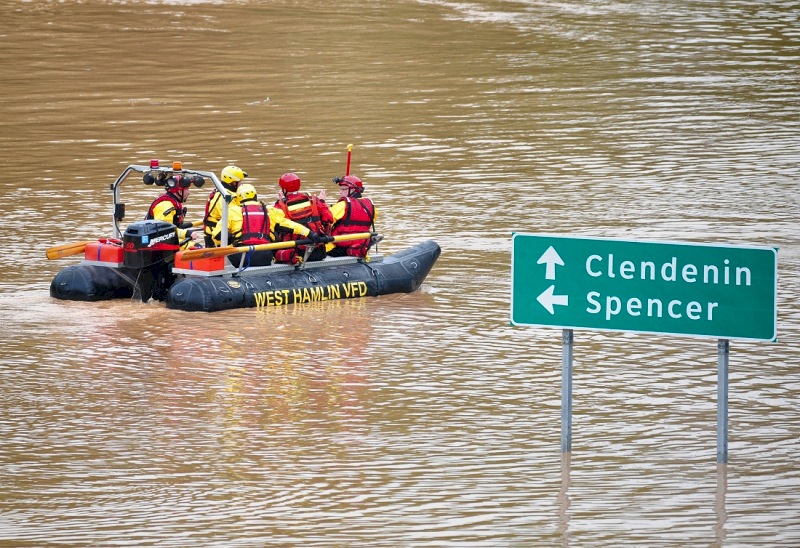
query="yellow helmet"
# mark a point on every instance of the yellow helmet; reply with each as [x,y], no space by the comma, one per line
[232,175]
[246,193]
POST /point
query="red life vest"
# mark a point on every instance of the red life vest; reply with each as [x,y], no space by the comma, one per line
[176,206]
[255,223]
[359,216]
[306,210]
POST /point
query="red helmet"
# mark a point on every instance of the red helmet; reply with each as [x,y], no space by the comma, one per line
[352,182]
[289,182]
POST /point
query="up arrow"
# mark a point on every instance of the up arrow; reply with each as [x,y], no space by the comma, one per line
[551,258]
[547,299]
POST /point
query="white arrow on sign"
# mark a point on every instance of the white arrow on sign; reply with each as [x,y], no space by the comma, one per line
[551,258]
[547,299]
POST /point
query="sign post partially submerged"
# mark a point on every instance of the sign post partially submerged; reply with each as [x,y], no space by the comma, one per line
[703,290]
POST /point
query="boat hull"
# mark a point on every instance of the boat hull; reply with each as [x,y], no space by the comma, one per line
[402,272]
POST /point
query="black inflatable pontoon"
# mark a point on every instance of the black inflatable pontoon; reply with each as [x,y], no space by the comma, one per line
[329,279]
[332,278]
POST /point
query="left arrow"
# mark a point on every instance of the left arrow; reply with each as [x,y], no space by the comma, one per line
[550,258]
[547,299]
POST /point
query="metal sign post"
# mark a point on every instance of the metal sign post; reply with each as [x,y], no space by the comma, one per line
[566,390]
[723,348]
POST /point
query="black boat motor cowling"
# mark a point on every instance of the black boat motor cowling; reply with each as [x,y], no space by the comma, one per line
[149,248]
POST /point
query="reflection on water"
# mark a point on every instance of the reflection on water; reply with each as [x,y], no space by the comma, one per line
[719,503]
[563,498]
[405,419]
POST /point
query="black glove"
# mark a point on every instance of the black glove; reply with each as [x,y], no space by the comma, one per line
[314,237]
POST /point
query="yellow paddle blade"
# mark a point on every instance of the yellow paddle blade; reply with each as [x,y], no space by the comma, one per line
[66,250]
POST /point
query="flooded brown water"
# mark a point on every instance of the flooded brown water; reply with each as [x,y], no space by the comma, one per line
[404,420]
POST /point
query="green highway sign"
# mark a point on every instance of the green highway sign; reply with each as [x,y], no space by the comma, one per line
[721,291]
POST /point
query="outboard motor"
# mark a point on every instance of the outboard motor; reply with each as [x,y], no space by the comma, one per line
[148,249]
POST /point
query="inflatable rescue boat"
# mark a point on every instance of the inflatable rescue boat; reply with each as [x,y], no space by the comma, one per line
[144,262]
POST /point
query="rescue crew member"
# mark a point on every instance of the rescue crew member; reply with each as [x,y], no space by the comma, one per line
[169,208]
[352,213]
[309,210]
[251,222]
[230,177]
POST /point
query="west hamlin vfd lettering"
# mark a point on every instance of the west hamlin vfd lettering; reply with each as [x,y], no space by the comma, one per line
[282,297]
[597,266]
